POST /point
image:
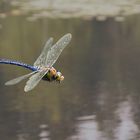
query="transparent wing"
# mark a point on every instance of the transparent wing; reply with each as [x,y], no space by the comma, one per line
[18,79]
[34,80]
[56,49]
[42,58]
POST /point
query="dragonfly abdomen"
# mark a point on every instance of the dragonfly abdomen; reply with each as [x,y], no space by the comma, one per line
[17,63]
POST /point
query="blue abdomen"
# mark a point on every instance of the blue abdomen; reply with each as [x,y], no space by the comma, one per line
[17,63]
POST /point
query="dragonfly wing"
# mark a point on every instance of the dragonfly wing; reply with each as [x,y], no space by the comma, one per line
[42,58]
[34,80]
[18,79]
[56,50]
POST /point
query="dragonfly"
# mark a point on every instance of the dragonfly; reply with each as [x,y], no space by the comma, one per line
[43,66]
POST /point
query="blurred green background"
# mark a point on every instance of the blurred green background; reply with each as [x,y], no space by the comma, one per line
[100,96]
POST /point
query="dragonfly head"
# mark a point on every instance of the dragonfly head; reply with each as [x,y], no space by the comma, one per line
[59,77]
[56,74]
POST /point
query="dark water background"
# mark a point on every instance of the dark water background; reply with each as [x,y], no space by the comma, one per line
[100,96]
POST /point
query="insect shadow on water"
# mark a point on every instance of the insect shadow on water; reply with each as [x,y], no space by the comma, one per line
[42,67]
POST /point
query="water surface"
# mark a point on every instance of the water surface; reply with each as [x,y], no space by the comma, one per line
[99,98]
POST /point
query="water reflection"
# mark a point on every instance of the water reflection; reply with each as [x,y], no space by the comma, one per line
[79,8]
[127,128]
[44,134]
[71,9]
[99,98]
[88,129]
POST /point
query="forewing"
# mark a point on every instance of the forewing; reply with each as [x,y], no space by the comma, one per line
[34,80]
[18,79]
[56,49]
[43,56]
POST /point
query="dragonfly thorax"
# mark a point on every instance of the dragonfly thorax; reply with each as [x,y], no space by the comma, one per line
[53,75]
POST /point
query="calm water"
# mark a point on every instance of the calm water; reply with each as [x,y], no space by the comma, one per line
[100,96]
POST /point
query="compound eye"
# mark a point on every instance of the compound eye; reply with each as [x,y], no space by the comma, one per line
[59,74]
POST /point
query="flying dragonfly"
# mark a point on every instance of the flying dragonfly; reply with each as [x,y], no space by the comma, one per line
[43,66]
